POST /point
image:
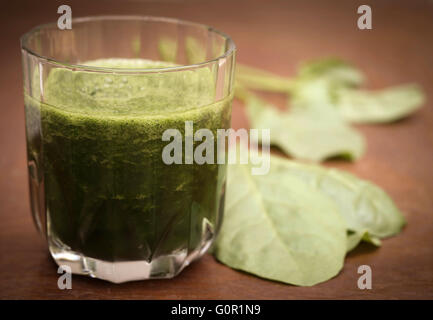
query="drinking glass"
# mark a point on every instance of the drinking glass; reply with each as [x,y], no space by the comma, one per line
[99,99]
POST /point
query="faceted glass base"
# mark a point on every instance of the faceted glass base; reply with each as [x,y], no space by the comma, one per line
[163,267]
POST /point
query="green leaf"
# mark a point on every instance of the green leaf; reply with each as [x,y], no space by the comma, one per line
[332,70]
[334,81]
[317,82]
[314,95]
[296,223]
[313,133]
[391,104]
[280,228]
[355,237]
[364,206]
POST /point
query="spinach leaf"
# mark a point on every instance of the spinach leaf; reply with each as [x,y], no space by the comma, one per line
[391,104]
[278,227]
[364,206]
[355,237]
[331,81]
[332,70]
[296,223]
[312,133]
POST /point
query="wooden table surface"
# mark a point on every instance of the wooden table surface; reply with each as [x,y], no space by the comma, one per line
[274,35]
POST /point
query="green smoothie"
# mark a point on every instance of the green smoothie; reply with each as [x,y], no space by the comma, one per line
[96,141]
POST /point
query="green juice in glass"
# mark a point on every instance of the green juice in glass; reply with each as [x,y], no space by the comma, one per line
[96,145]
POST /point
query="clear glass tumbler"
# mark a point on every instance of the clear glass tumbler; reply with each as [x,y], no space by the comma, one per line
[98,99]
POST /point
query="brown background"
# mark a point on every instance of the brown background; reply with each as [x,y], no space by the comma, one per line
[274,35]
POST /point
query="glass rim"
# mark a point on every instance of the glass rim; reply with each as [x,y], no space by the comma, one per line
[229,51]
